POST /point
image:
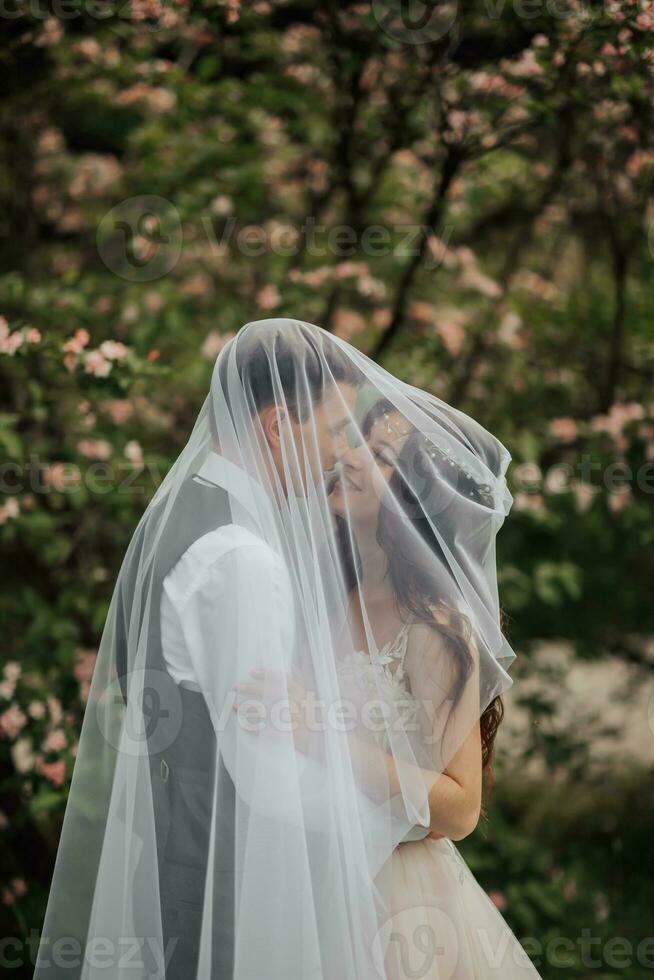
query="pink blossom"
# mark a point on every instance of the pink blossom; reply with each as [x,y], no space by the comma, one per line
[54,771]
[528,473]
[529,501]
[97,364]
[618,416]
[509,332]
[564,429]
[22,755]
[481,283]
[526,66]
[134,453]
[570,890]
[9,510]
[153,301]
[76,343]
[55,741]
[498,899]
[12,343]
[7,689]
[347,323]
[584,493]
[50,33]
[422,311]
[12,721]
[88,47]
[381,317]
[214,343]
[60,476]
[119,410]
[348,270]
[54,706]
[94,448]
[83,671]
[12,670]
[619,500]
[8,897]
[36,709]
[222,205]
[452,334]
[19,886]
[4,328]
[113,350]
[268,297]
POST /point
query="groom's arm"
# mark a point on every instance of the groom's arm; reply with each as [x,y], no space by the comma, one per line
[236,614]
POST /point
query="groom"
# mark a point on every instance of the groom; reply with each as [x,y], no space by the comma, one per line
[207,567]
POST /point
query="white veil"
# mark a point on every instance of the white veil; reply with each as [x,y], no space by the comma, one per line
[204,842]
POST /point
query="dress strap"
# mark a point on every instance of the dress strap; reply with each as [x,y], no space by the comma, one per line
[402,642]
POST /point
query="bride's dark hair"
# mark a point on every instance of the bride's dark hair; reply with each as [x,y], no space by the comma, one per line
[414,582]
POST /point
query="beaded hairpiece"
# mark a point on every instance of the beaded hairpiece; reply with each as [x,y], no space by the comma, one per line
[432,450]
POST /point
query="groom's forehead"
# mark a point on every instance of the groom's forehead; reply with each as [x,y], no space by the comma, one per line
[341,399]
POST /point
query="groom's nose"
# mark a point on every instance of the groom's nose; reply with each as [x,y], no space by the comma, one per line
[351,457]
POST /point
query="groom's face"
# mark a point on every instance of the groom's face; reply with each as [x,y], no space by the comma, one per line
[305,449]
[327,430]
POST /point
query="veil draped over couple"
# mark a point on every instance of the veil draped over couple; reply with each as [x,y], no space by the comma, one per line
[296,692]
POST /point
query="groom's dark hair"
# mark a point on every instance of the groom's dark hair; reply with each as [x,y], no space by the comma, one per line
[306,364]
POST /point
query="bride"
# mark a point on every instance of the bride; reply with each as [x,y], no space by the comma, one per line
[442,924]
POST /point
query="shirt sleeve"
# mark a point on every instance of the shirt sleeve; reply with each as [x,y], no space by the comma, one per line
[237,614]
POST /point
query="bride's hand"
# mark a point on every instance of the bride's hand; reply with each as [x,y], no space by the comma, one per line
[270,688]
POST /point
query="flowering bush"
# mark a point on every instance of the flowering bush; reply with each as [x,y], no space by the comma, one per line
[473,209]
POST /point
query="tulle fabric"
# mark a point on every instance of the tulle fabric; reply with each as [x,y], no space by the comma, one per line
[196,847]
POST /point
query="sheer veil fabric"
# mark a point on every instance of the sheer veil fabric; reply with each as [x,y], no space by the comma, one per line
[216,831]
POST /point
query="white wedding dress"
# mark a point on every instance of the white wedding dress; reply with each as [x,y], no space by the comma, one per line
[442,924]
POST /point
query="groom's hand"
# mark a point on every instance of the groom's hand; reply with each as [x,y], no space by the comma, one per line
[275,703]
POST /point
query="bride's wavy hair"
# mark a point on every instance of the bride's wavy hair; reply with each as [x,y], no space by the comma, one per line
[414,583]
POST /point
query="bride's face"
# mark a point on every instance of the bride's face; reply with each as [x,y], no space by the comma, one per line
[366,470]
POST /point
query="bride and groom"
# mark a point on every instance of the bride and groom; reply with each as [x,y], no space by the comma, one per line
[327,533]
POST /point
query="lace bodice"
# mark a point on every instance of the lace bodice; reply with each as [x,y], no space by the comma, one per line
[385,678]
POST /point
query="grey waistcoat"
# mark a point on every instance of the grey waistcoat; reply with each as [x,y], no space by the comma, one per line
[182,752]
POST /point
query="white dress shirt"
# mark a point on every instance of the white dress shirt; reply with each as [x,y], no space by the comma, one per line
[227,604]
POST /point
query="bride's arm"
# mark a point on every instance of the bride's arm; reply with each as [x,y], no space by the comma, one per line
[449,746]
[454,794]
[453,789]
